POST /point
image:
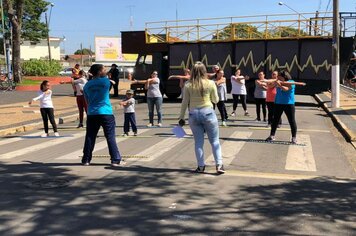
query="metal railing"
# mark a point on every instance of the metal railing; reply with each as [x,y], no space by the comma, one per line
[281,26]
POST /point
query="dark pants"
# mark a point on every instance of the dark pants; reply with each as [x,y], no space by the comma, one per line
[222,109]
[48,114]
[116,87]
[270,107]
[289,110]
[130,119]
[236,101]
[94,122]
[82,106]
[261,102]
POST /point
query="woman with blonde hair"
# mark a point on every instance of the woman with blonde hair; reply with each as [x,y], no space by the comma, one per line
[200,93]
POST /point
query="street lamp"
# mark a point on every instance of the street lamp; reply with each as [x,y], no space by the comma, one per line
[283,4]
[48,19]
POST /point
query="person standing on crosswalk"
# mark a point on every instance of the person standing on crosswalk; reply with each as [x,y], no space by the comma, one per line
[100,114]
[46,107]
[284,102]
[129,116]
[220,82]
[200,93]
[81,103]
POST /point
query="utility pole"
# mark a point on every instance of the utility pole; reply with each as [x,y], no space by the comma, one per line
[81,54]
[335,71]
[7,61]
[48,40]
[131,16]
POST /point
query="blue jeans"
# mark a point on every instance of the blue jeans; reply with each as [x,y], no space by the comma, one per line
[200,120]
[93,125]
[151,103]
[130,119]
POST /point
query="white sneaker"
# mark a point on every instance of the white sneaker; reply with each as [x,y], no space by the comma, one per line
[44,135]
[159,124]
[233,114]
[224,123]
[149,125]
[56,134]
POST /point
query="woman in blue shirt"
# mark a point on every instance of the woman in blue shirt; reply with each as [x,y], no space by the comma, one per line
[100,114]
[284,102]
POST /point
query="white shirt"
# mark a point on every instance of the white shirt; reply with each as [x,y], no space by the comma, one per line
[79,85]
[45,99]
[238,88]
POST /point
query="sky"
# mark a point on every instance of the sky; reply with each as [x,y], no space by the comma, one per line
[79,21]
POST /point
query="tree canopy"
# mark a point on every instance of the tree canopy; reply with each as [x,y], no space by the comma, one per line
[84,51]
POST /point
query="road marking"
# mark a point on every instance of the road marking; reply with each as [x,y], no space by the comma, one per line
[12,140]
[40,146]
[301,158]
[98,147]
[160,148]
[268,175]
[286,129]
[230,148]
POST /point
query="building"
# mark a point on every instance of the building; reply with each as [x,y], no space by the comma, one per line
[39,50]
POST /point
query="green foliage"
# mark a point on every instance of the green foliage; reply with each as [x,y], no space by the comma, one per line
[240,31]
[41,68]
[32,27]
[284,32]
[85,51]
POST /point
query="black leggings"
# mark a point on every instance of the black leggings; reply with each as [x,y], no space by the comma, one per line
[289,110]
[270,107]
[48,114]
[236,101]
[261,102]
[222,109]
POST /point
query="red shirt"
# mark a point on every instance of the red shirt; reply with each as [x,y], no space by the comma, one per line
[271,94]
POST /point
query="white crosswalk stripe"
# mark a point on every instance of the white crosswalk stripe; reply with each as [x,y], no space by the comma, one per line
[40,146]
[13,140]
[301,158]
[231,148]
[98,147]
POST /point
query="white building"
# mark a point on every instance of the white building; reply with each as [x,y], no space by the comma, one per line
[31,50]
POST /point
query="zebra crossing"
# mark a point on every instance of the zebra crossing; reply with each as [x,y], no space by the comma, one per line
[297,157]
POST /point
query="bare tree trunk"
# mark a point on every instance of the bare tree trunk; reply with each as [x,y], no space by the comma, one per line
[15,12]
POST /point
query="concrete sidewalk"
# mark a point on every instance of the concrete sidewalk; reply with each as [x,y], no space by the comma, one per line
[17,116]
[345,116]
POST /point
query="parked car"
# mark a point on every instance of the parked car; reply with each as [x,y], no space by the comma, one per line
[66,72]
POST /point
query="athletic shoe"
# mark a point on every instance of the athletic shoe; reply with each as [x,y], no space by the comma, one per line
[86,164]
[159,124]
[233,114]
[279,126]
[270,139]
[220,169]
[44,135]
[246,113]
[149,125]
[80,126]
[257,120]
[135,133]
[224,124]
[56,134]
[264,120]
[200,169]
[294,140]
[125,134]
[115,164]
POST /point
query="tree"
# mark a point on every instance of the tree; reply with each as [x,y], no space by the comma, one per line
[285,32]
[24,16]
[84,51]
[241,31]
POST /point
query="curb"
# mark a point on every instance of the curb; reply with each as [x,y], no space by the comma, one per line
[348,134]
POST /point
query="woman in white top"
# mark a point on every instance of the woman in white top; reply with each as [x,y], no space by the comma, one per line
[46,108]
[81,103]
[239,91]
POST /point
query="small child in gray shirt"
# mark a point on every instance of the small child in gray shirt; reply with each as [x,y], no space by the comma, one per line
[129,110]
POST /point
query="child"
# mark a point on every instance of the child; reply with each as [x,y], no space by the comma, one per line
[46,108]
[129,109]
[81,103]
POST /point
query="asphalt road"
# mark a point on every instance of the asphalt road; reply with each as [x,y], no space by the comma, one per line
[269,188]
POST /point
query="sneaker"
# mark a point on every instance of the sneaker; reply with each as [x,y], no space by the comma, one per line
[80,126]
[149,125]
[270,139]
[200,169]
[257,120]
[125,134]
[44,135]
[86,164]
[220,169]
[56,134]
[115,164]
[294,140]
[135,133]
[246,113]
[279,126]
[224,124]
[233,114]
[159,124]
[264,120]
